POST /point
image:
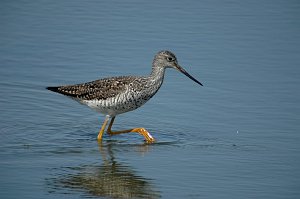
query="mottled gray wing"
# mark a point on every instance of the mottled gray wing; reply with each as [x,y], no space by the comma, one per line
[98,89]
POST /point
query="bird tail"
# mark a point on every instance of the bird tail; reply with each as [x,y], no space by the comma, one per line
[58,89]
[54,89]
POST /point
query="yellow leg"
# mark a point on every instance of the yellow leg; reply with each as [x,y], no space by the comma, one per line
[141,131]
[99,138]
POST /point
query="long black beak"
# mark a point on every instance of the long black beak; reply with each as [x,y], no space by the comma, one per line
[187,74]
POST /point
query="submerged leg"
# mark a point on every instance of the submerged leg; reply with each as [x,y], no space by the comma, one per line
[141,131]
[99,138]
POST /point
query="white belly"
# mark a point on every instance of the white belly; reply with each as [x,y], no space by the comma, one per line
[117,105]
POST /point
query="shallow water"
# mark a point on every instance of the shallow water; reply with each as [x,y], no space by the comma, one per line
[236,137]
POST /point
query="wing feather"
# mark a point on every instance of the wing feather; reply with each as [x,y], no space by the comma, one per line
[99,89]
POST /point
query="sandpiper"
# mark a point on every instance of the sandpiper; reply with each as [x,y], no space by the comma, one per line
[115,95]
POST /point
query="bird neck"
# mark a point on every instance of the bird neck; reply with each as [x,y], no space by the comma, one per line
[157,74]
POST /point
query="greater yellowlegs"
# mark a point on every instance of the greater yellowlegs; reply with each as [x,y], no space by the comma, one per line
[115,95]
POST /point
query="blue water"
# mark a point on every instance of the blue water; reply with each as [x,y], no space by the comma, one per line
[236,137]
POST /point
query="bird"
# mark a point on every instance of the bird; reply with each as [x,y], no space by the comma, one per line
[113,96]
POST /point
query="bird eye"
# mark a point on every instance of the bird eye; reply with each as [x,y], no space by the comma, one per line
[170,58]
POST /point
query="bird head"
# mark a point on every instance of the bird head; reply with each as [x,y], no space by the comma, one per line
[168,59]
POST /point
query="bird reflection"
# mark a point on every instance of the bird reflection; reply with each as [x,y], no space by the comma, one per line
[109,180]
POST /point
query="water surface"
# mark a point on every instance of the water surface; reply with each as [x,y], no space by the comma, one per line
[236,137]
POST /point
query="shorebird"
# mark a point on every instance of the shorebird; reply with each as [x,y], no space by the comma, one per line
[116,95]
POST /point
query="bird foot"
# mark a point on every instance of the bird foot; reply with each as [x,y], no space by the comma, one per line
[148,137]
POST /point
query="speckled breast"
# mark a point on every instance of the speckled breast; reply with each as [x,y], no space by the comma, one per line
[121,103]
